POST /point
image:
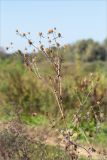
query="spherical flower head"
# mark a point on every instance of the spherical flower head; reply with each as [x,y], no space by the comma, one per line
[7,48]
[59,35]
[50,31]
[40,34]
[57,44]
[49,41]
[42,47]
[24,34]
[17,30]
[30,42]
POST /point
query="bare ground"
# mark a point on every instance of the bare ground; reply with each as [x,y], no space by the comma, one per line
[51,137]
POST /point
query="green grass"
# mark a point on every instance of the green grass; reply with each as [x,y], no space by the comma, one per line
[41,120]
[5,118]
[36,120]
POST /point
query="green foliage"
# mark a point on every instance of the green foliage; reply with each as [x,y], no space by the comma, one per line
[18,87]
[37,120]
[86,50]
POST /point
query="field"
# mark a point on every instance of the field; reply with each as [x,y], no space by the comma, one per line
[31,124]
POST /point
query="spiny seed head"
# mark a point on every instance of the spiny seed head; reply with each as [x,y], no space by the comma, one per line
[24,34]
[7,48]
[40,42]
[17,30]
[49,41]
[59,35]
[11,43]
[30,42]
[57,44]
[47,50]
[26,56]
[25,49]
[42,47]
[40,34]
[50,31]
[54,28]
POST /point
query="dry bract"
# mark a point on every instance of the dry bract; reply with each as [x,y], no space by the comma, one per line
[86,87]
[50,31]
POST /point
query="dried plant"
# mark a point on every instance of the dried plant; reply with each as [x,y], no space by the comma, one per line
[88,87]
[14,143]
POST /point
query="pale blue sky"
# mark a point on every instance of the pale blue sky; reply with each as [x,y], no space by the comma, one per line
[75,19]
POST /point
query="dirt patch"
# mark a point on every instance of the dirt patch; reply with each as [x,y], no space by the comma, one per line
[52,137]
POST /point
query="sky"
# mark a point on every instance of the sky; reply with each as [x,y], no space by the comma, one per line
[75,19]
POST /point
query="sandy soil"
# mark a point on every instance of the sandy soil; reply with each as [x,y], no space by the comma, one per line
[52,137]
